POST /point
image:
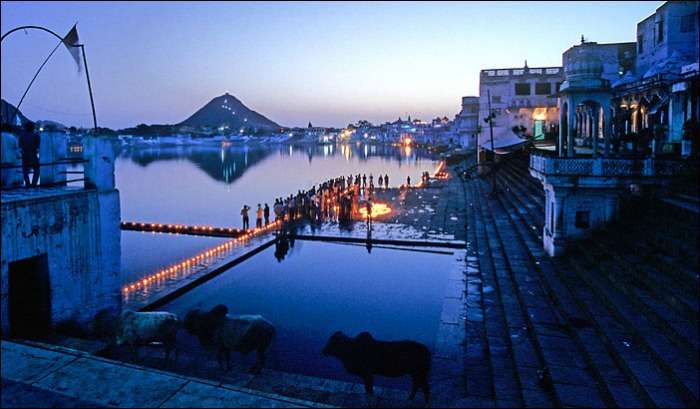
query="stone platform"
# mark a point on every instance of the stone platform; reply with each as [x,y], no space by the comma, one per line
[40,375]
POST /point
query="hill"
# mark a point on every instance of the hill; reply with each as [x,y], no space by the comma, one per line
[228,111]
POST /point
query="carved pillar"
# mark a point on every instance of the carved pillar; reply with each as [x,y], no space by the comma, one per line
[595,120]
[571,127]
[563,127]
[607,128]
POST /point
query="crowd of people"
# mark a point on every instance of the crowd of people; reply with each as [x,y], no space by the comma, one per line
[336,199]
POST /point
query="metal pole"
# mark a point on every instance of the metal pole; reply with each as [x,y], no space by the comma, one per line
[493,150]
[12,118]
[87,75]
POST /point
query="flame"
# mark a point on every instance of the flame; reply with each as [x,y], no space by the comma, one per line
[378,209]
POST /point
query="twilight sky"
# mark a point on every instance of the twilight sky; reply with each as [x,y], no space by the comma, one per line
[328,63]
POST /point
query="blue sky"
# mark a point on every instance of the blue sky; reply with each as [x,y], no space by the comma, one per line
[328,63]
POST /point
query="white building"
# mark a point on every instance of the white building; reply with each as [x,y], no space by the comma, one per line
[520,97]
[466,123]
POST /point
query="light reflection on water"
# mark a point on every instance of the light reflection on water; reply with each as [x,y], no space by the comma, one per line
[208,185]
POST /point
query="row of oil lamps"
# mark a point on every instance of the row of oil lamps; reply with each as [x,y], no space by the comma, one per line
[177,268]
[180,228]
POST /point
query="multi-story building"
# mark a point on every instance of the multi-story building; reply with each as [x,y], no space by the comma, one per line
[657,100]
[466,123]
[523,100]
[622,106]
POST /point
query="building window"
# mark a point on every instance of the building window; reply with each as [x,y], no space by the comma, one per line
[543,88]
[522,88]
[583,219]
[660,32]
[640,44]
[558,86]
[688,23]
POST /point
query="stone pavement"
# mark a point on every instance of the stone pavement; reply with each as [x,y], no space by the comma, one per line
[40,375]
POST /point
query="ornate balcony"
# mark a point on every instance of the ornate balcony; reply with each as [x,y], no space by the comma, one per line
[543,165]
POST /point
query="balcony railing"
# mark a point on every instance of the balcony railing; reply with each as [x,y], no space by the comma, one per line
[604,167]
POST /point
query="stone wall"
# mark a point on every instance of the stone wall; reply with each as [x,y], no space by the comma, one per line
[79,233]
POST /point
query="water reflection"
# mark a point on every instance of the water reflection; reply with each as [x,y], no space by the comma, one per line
[233,161]
[209,184]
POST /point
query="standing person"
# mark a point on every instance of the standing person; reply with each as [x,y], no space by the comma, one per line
[258,217]
[386,181]
[364,181]
[368,207]
[278,208]
[29,144]
[381,181]
[246,220]
[267,214]
[408,181]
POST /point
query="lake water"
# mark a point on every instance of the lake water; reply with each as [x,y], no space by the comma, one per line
[209,184]
[319,288]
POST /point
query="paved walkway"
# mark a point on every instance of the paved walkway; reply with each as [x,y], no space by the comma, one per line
[48,376]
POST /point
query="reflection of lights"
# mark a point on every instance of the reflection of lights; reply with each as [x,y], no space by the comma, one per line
[203,258]
[378,209]
[407,141]
[407,150]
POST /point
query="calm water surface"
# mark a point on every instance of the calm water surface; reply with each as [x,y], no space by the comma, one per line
[209,184]
[320,288]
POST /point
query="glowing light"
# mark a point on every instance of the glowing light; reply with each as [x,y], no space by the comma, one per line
[378,209]
[539,114]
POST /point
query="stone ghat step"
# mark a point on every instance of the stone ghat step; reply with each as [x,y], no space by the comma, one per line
[611,383]
[675,294]
[616,386]
[562,370]
[610,242]
[654,359]
[509,351]
[683,330]
[641,274]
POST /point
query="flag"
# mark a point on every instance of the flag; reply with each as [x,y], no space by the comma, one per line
[70,41]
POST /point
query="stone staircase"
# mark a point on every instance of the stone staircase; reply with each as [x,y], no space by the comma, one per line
[614,322]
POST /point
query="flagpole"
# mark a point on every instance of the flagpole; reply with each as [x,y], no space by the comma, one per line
[87,75]
[62,39]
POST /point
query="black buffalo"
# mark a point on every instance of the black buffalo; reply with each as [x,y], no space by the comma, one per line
[216,330]
[364,356]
